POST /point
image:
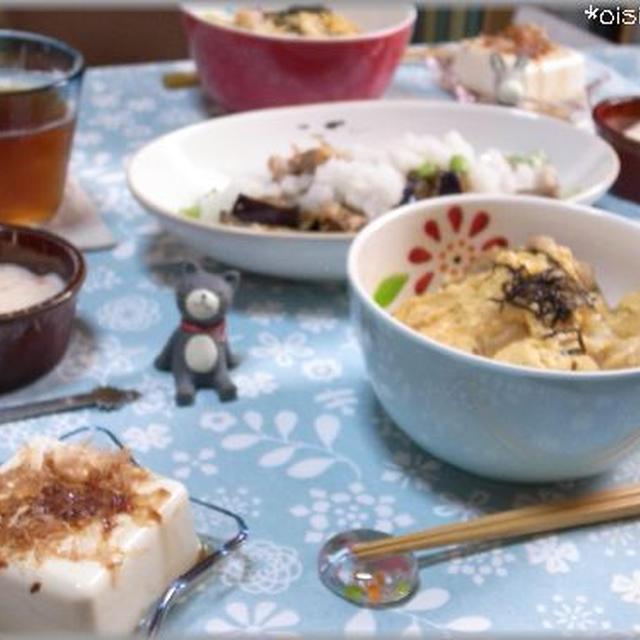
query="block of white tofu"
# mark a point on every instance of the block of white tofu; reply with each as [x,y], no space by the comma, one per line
[78,556]
[554,74]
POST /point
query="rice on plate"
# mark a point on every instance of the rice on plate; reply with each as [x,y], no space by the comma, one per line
[326,188]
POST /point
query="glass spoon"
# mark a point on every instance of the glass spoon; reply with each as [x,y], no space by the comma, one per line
[374,569]
[375,582]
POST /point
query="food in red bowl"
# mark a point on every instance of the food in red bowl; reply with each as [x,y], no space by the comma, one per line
[618,122]
[41,277]
[243,69]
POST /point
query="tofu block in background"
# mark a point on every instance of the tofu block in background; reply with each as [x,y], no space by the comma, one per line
[88,540]
[553,74]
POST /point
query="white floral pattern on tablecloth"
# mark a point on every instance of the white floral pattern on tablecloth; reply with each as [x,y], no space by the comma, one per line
[577,614]
[553,553]
[262,567]
[264,619]
[306,450]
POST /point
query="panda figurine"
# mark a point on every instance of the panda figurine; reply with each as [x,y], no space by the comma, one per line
[198,352]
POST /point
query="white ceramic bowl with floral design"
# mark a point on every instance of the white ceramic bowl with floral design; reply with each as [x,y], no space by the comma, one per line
[491,418]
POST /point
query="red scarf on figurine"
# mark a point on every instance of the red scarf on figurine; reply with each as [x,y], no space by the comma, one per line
[217,331]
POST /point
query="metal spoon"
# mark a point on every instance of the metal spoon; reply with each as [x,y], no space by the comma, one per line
[104,398]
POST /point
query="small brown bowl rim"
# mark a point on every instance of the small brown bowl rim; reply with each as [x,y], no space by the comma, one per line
[70,290]
[619,138]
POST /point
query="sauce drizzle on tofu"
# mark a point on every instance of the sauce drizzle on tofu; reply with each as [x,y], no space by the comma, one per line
[47,498]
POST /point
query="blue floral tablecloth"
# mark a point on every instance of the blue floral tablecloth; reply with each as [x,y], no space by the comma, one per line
[305,451]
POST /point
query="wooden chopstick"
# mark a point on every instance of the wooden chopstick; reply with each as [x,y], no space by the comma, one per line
[612,504]
[520,514]
[180,79]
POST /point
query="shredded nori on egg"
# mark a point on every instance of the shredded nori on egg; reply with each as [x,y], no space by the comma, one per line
[298,8]
[550,295]
[579,348]
[284,17]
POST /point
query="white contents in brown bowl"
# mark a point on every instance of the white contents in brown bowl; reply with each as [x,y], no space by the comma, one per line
[88,540]
[633,131]
[21,288]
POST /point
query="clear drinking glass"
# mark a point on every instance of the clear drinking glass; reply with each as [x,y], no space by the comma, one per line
[40,80]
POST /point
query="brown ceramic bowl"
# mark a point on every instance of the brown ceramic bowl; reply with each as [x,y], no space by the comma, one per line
[612,117]
[34,339]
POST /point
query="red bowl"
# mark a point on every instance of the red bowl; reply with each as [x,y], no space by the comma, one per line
[34,339]
[243,70]
[612,117]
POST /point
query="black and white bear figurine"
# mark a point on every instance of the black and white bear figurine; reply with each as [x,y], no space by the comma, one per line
[198,351]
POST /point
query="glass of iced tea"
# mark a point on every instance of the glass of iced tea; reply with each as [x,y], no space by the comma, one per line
[40,80]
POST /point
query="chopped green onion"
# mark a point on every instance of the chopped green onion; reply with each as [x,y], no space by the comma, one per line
[191,212]
[538,157]
[458,163]
[532,159]
[426,170]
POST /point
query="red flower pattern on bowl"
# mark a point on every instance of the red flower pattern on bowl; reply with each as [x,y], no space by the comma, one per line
[449,247]
[448,242]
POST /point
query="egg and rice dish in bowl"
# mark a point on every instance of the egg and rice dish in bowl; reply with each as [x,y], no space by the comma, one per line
[548,409]
[535,306]
[311,21]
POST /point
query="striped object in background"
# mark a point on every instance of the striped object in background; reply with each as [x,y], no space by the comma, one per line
[442,24]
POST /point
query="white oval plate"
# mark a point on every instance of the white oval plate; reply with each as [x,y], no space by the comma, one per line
[171,172]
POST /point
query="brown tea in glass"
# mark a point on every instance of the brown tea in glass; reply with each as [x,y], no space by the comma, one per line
[39,86]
